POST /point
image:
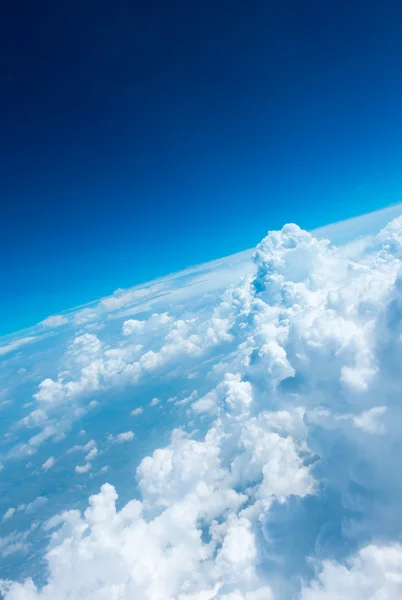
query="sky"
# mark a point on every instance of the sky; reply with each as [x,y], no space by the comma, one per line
[142,138]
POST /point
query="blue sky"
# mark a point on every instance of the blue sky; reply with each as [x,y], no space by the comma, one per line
[146,137]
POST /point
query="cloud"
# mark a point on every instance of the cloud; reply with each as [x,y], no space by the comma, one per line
[127,436]
[49,463]
[33,506]
[374,572]
[5,349]
[5,403]
[85,315]
[8,514]
[92,454]
[84,447]
[28,509]
[84,468]
[283,482]
[14,543]
[137,411]
[90,451]
[155,321]
[91,365]
[54,321]
[369,420]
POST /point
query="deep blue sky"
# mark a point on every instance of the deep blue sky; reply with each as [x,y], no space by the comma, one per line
[141,137]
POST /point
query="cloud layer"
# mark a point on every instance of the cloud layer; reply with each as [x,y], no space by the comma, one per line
[283,481]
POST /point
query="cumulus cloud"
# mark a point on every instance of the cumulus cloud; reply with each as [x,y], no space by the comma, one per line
[154,322]
[126,436]
[90,365]
[137,411]
[374,572]
[287,486]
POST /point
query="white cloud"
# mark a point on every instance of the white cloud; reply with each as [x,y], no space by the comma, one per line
[374,572]
[84,447]
[14,345]
[49,463]
[137,411]
[54,321]
[126,436]
[290,460]
[369,420]
[5,403]
[33,506]
[123,298]
[28,509]
[49,391]
[83,468]
[8,514]
[132,326]
[14,543]
[154,402]
[91,454]
[85,315]
[155,321]
[91,365]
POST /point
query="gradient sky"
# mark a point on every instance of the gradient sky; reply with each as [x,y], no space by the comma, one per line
[142,137]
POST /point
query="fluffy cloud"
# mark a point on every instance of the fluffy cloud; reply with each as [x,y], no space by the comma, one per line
[90,365]
[126,436]
[286,484]
[374,572]
[154,322]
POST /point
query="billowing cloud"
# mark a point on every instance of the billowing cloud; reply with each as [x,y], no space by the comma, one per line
[374,572]
[282,481]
